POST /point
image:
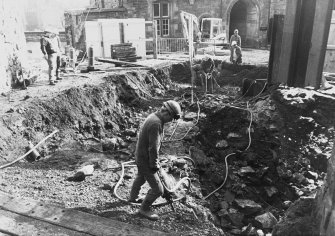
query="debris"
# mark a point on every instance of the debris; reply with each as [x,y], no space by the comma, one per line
[270,191]
[81,174]
[199,157]
[266,220]
[233,135]
[229,197]
[260,232]
[248,207]
[312,175]
[222,144]
[246,170]
[190,116]
[236,219]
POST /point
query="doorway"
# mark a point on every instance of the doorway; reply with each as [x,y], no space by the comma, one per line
[244,16]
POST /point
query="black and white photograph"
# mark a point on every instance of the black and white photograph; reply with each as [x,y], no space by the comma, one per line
[167,117]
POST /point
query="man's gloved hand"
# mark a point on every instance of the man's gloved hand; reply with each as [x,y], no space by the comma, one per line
[45,56]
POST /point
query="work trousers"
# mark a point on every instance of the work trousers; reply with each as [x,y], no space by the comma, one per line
[54,64]
[155,183]
[238,52]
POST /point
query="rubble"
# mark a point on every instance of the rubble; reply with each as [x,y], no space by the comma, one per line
[266,220]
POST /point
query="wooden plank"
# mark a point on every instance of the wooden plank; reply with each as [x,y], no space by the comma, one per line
[302,44]
[120,63]
[317,52]
[15,224]
[155,38]
[70,218]
[276,42]
[289,35]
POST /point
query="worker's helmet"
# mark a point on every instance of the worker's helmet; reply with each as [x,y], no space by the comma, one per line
[173,108]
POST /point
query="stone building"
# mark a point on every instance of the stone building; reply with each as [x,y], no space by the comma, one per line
[12,43]
[251,17]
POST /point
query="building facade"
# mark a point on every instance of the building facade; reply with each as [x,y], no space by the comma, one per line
[251,17]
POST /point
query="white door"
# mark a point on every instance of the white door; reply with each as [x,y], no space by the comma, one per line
[93,37]
[110,34]
[134,32]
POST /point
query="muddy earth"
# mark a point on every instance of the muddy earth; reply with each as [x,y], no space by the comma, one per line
[253,156]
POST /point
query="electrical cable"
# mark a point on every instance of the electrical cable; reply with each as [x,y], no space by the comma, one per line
[225,179]
[179,139]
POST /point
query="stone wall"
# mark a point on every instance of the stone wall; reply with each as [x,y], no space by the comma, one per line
[12,43]
[326,201]
[257,22]
[277,7]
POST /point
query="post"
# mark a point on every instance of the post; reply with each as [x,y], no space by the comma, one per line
[190,43]
[121,28]
[72,61]
[276,41]
[154,28]
[321,26]
[90,66]
[287,47]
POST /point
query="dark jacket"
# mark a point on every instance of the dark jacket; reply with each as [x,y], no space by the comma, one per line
[50,45]
[235,38]
[148,143]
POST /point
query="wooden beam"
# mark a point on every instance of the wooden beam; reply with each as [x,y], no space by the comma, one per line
[154,40]
[276,42]
[316,58]
[120,63]
[70,219]
[287,45]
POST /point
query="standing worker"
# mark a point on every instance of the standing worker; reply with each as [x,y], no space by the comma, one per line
[146,156]
[235,45]
[51,49]
[203,71]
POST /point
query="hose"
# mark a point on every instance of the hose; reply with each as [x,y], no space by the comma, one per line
[32,149]
[180,182]
[225,179]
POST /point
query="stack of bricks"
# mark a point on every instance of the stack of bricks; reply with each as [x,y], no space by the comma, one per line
[124,52]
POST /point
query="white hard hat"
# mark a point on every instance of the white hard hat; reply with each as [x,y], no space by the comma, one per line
[174,108]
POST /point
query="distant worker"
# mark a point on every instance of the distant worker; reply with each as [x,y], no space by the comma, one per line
[51,48]
[235,45]
[197,42]
[146,156]
[203,72]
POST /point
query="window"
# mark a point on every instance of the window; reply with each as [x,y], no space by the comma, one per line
[161,14]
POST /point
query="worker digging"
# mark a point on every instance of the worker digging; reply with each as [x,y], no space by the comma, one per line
[147,156]
[186,118]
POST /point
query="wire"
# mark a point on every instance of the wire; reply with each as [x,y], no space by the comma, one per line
[179,139]
[225,179]
[32,149]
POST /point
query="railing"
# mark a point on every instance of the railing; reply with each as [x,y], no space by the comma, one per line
[175,45]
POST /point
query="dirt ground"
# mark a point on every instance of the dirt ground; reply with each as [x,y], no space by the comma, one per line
[281,140]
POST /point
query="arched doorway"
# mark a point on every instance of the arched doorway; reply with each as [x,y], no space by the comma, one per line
[244,16]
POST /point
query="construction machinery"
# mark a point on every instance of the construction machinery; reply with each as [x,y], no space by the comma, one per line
[211,29]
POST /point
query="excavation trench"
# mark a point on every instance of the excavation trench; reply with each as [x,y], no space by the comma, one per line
[276,161]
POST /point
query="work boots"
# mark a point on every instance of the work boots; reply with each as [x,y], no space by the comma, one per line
[146,212]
